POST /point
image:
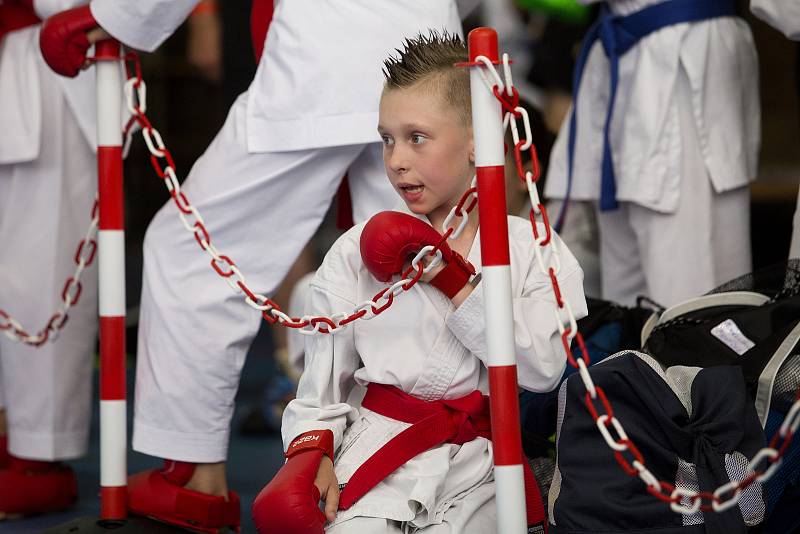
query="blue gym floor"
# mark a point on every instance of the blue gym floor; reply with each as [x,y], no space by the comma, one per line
[252,461]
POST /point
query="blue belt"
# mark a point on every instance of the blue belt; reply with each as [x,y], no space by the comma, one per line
[618,35]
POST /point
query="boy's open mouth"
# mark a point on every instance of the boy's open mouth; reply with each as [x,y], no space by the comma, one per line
[408,188]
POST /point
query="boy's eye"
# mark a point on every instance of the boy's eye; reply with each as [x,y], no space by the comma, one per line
[417,139]
[388,141]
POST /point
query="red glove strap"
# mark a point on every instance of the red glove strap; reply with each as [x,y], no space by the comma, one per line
[315,439]
[454,276]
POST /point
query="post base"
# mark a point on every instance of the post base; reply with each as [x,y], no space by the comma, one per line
[132,525]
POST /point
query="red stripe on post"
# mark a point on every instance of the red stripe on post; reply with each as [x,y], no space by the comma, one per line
[112,358]
[504,409]
[113,503]
[492,215]
[109,174]
[483,42]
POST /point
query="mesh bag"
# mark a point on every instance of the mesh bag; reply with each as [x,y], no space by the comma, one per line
[752,321]
[695,428]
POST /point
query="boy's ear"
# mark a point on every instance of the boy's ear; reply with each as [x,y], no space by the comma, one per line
[471,151]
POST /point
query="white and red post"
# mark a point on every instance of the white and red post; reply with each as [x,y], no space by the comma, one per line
[487,124]
[111,268]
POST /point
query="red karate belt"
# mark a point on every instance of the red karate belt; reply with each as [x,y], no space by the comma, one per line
[432,423]
[16,15]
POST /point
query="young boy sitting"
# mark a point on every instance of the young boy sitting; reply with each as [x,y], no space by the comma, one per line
[423,360]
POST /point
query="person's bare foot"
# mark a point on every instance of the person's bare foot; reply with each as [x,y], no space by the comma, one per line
[210,479]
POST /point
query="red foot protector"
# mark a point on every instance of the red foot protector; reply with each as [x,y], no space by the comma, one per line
[391,238]
[29,487]
[158,493]
[289,504]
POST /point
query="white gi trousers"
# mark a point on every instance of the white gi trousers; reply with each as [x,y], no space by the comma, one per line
[477,512]
[671,257]
[45,210]
[260,209]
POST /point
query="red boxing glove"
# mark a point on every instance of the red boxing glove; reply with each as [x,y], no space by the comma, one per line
[63,40]
[390,237]
[289,504]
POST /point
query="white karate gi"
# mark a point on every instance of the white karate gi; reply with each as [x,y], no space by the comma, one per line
[263,187]
[48,180]
[784,16]
[424,346]
[684,136]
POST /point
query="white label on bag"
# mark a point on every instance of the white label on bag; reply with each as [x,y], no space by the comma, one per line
[728,332]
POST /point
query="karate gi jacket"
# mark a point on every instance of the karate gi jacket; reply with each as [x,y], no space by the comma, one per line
[319,80]
[431,350]
[20,81]
[719,59]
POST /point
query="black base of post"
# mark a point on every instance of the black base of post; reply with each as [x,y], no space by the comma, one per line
[132,525]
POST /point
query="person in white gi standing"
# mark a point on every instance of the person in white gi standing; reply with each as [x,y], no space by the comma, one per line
[681,145]
[785,16]
[263,187]
[48,180]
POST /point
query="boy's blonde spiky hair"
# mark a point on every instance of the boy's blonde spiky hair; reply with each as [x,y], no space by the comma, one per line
[429,59]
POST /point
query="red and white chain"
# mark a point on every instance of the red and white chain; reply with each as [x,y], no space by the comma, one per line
[687,502]
[135,92]
[70,294]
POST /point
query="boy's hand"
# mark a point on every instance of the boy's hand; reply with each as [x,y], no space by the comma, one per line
[328,487]
[388,239]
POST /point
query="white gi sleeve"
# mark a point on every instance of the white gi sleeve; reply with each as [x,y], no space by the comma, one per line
[141,24]
[331,360]
[540,354]
[781,14]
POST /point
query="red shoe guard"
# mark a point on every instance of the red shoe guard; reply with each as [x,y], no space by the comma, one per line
[29,487]
[158,494]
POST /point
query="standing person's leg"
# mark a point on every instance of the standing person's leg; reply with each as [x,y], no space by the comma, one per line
[370,188]
[621,272]
[706,241]
[260,210]
[45,210]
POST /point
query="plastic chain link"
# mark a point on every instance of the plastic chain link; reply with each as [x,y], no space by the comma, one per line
[683,501]
[70,294]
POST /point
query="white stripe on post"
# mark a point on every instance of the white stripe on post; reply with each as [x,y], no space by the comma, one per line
[113,444]
[512,495]
[487,123]
[500,321]
[109,102]
[111,255]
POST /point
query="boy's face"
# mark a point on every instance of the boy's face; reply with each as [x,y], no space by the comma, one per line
[427,148]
